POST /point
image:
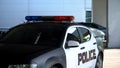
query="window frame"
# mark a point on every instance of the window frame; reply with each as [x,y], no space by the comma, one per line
[81,35]
[72,34]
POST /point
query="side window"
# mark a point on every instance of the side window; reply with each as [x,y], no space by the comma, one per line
[85,34]
[73,35]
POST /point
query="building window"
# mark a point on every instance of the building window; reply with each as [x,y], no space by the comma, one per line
[88,16]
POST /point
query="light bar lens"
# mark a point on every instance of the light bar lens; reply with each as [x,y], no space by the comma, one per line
[49,18]
[63,18]
[33,18]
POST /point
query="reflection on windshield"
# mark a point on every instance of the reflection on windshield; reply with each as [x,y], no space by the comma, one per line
[33,35]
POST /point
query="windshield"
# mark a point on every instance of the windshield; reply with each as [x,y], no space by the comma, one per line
[34,34]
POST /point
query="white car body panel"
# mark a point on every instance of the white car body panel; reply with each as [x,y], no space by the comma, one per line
[72,54]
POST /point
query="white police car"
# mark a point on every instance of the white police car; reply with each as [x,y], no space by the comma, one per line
[48,42]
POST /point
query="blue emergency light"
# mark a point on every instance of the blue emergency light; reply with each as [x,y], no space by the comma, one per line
[33,18]
[49,18]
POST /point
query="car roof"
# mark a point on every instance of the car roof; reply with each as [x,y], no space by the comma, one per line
[93,25]
[52,24]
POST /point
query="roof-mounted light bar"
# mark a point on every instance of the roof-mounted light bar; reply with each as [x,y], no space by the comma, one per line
[49,18]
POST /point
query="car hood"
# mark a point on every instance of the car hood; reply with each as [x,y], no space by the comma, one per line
[17,54]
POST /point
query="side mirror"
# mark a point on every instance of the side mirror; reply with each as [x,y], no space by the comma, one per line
[72,43]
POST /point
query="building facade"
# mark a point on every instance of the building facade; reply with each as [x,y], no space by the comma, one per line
[13,12]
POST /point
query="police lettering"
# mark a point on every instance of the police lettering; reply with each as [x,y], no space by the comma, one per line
[86,56]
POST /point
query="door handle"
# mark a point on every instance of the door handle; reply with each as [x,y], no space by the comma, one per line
[94,43]
[82,48]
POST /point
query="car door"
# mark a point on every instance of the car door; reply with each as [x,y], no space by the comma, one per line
[88,47]
[72,48]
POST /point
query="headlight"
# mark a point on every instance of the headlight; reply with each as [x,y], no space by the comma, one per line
[23,66]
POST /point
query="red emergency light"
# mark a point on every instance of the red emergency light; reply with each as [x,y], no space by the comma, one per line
[63,18]
[49,18]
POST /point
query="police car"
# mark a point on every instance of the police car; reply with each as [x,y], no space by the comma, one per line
[50,42]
